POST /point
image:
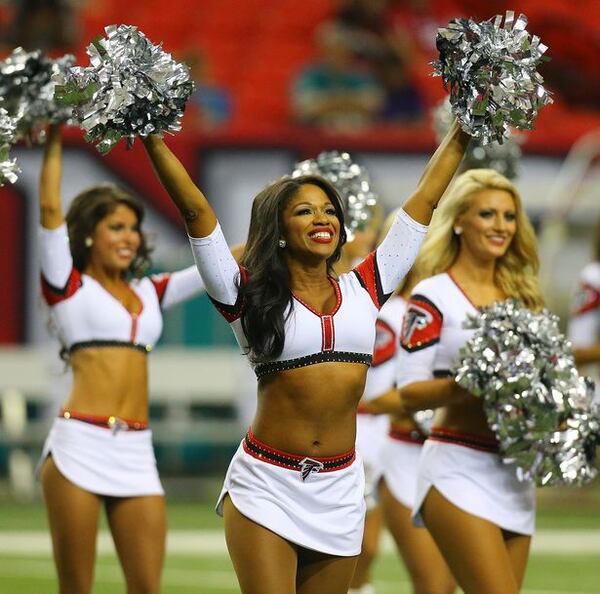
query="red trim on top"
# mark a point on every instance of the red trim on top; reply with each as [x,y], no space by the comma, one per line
[328,330]
[461,289]
[54,295]
[134,327]
[366,271]
[338,300]
[160,282]
[587,299]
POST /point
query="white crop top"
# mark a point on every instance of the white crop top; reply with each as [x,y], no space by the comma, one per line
[86,314]
[345,334]
[584,325]
[382,374]
[432,332]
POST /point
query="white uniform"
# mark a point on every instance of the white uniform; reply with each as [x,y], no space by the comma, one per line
[466,469]
[371,430]
[105,455]
[584,325]
[317,503]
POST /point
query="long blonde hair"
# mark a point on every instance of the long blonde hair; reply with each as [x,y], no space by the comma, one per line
[516,272]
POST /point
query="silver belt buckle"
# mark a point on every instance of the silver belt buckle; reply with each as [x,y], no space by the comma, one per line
[115,425]
[308,466]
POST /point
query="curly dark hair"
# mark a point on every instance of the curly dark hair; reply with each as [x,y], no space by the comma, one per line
[266,294]
[88,209]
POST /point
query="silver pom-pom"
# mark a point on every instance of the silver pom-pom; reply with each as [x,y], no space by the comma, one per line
[503,158]
[352,183]
[28,91]
[540,408]
[8,166]
[490,70]
[131,88]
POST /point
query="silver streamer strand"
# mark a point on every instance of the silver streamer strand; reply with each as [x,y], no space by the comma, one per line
[131,88]
[8,166]
[504,158]
[490,70]
[352,183]
[28,91]
[540,408]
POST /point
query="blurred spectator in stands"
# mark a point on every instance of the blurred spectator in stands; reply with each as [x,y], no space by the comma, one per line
[49,25]
[404,102]
[210,105]
[365,23]
[336,91]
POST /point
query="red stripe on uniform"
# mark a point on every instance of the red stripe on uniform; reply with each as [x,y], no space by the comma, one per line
[53,295]
[327,329]
[160,282]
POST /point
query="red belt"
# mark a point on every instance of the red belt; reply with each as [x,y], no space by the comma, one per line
[110,422]
[468,440]
[261,451]
[407,435]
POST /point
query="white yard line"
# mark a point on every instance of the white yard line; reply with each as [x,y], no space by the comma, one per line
[217,580]
[212,542]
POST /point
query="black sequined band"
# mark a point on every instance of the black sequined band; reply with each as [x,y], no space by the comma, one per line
[263,369]
[468,440]
[264,452]
[144,348]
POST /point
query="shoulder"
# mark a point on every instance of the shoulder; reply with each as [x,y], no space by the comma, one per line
[590,275]
[433,288]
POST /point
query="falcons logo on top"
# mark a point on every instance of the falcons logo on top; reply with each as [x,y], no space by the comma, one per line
[422,324]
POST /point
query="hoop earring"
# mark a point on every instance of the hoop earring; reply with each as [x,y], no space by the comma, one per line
[88,242]
[457,230]
[282,243]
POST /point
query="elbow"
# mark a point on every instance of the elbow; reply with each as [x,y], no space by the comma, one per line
[411,403]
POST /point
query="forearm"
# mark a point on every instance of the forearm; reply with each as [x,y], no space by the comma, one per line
[389,403]
[199,217]
[432,394]
[51,215]
[587,355]
[437,175]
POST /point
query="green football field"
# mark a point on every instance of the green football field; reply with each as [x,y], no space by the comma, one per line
[566,557]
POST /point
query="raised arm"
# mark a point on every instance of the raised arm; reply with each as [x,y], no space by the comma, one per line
[197,214]
[437,175]
[51,215]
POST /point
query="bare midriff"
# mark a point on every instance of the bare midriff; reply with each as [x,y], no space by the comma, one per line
[109,381]
[310,410]
[464,417]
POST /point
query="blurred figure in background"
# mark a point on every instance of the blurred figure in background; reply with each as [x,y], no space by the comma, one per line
[584,325]
[210,105]
[336,92]
[398,447]
[49,25]
[404,102]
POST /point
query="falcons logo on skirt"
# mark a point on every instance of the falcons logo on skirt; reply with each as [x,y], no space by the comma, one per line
[308,465]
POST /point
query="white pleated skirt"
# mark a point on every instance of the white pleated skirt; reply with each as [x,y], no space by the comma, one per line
[400,466]
[371,431]
[325,512]
[478,483]
[102,461]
